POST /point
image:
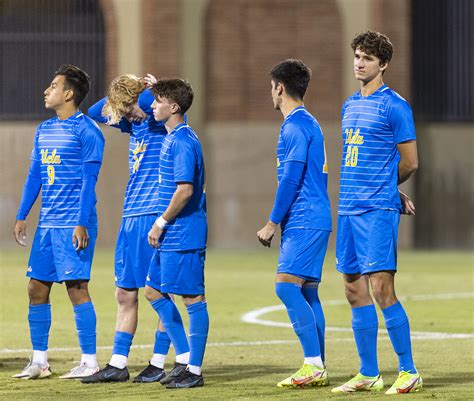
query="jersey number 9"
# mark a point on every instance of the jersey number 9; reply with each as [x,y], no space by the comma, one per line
[50,171]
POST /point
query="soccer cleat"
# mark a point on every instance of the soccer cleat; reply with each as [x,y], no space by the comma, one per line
[150,374]
[174,373]
[360,383]
[406,383]
[34,371]
[307,375]
[186,379]
[108,374]
[80,371]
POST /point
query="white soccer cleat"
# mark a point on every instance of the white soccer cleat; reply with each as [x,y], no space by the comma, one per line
[360,383]
[79,372]
[34,371]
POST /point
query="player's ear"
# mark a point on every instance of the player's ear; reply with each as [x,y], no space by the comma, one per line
[383,67]
[69,94]
[279,88]
[175,108]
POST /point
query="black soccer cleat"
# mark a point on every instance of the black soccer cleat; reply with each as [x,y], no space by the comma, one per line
[178,368]
[187,380]
[150,374]
[107,375]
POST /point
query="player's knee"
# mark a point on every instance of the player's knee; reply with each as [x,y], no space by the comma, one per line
[383,294]
[151,294]
[37,294]
[356,296]
[78,292]
[126,299]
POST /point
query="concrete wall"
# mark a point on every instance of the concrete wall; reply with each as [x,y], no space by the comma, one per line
[444,186]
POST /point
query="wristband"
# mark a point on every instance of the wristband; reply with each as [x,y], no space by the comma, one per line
[161,222]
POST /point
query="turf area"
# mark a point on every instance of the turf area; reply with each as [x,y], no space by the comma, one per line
[241,360]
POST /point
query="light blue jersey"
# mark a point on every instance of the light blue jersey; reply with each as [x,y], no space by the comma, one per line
[372,126]
[181,161]
[144,149]
[301,140]
[62,147]
[144,154]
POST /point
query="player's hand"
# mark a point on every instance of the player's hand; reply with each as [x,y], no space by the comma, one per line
[150,80]
[407,204]
[265,235]
[80,238]
[20,232]
[154,235]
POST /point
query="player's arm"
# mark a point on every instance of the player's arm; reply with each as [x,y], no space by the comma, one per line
[31,190]
[179,200]
[285,196]
[95,112]
[92,145]
[408,160]
[90,173]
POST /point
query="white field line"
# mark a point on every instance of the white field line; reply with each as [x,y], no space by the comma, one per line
[254,317]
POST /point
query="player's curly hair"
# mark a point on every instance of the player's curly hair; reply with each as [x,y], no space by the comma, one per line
[122,93]
[176,90]
[374,43]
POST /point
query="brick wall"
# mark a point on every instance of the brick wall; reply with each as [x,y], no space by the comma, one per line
[161,33]
[245,39]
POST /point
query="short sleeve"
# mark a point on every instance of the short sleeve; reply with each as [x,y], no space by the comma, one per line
[92,143]
[343,110]
[35,154]
[295,143]
[184,160]
[400,119]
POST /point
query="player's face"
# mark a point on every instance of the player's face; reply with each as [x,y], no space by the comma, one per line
[162,108]
[276,94]
[366,66]
[55,95]
[135,114]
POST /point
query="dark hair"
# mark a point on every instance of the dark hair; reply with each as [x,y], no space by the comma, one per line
[374,43]
[294,75]
[177,90]
[75,79]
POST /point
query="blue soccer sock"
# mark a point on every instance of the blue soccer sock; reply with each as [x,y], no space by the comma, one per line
[173,323]
[301,316]
[86,322]
[398,327]
[122,343]
[365,326]
[162,343]
[39,319]
[310,292]
[198,330]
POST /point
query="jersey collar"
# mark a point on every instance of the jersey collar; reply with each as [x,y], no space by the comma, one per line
[295,110]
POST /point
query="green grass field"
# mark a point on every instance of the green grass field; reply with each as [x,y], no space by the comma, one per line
[241,362]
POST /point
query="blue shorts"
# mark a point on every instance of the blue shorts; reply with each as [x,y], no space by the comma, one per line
[302,253]
[132,251]
[367,243]
[53,256]
[180,272]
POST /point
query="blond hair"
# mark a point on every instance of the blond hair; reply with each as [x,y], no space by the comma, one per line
[123,92]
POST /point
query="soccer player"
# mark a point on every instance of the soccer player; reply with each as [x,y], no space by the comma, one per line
[180,231]
[302,209]
[128,107]
[379,154]
[65,164]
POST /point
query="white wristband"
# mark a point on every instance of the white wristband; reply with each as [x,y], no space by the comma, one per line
[161,222]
